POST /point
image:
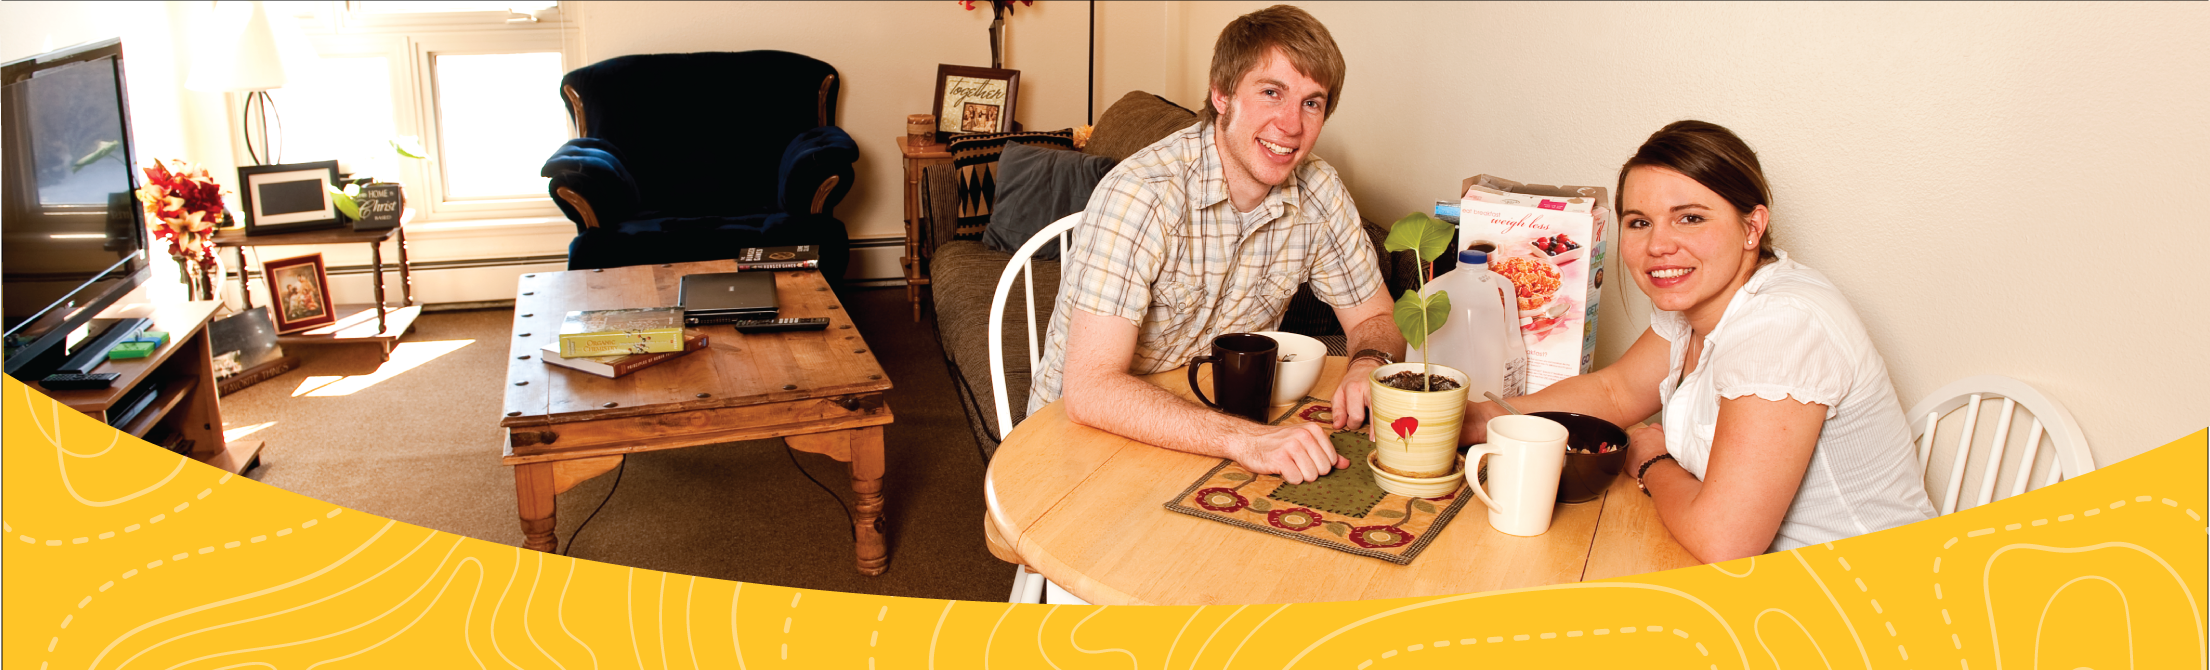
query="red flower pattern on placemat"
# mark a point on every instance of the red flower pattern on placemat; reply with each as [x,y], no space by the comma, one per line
[1295,518]
[1379,537]
[1221,499]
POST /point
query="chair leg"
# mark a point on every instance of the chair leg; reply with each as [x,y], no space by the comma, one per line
[1028,587]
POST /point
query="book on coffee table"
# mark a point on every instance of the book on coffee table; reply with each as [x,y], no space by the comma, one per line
[613,332]
[616,366]
[801,257]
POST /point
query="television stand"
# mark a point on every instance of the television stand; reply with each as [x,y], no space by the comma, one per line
[182,375]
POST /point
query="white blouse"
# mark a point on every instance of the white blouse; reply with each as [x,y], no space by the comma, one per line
[1790,333]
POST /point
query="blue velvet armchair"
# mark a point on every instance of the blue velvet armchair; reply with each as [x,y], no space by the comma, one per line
[692,157]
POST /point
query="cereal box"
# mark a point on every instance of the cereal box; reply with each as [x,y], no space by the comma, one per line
[1548,242]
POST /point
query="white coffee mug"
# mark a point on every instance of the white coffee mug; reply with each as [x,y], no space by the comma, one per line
[1526,457]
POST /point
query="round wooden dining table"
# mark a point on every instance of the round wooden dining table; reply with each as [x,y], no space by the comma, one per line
[1086,508]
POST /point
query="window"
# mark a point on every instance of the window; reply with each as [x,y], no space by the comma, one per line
[475,83]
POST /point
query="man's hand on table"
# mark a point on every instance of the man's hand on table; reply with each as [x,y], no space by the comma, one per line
[1299,453]
[1349,402]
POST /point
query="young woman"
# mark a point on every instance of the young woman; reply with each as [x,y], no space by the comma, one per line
[1779,427]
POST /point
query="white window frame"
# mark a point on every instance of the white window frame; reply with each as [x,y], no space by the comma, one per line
[410,43]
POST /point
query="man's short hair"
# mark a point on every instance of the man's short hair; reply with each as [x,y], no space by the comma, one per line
[1246,40]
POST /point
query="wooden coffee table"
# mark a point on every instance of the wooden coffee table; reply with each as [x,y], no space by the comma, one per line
[821,391]
[1086,508]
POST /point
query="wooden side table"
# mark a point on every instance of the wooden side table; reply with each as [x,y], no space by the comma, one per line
[916,157]
[353,320]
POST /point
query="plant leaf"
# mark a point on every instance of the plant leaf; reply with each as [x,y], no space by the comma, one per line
[1423,505]
[408,146]
[1387,514]
[344,202]
[1418,317]
[1339,528]
[1235,476]
[1260,505]
[1418,232]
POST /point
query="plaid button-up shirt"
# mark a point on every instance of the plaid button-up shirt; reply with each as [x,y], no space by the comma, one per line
[1162,246]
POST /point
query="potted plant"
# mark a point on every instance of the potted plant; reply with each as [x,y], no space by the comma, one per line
[1420,405]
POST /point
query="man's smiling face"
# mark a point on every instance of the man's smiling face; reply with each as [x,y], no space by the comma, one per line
[1268,125]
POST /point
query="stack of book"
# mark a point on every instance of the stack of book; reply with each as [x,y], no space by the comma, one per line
[621,364]
[614,332]
[801,257]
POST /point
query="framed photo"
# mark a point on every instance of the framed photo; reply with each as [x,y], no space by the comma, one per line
[302,291]
[974,100]
[288,198]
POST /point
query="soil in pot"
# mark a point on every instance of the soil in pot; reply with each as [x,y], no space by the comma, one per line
[1411,381]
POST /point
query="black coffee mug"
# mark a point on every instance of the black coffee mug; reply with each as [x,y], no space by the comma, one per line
[1242,374]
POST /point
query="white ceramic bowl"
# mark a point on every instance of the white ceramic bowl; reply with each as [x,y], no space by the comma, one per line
[1294,378]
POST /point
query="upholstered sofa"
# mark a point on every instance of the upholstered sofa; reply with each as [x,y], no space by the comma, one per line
[965,271]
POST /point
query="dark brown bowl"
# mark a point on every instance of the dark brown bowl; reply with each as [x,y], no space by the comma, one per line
[1587,475]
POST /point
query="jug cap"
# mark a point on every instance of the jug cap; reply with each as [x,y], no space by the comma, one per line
[1473,257]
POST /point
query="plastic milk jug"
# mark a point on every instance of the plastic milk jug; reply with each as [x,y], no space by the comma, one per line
[1482,337]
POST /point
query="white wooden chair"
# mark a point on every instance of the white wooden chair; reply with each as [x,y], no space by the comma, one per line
[1024,270]
[2049,419]
[1028,587]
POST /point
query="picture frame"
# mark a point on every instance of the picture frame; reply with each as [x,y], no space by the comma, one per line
[288,198]
[301,289]
[974,100]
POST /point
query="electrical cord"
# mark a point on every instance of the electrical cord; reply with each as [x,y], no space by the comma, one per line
[854,528]
[571,546]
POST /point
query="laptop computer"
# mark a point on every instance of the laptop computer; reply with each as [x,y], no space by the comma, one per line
[726,297]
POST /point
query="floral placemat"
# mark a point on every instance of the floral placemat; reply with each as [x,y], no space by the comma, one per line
[1343,510]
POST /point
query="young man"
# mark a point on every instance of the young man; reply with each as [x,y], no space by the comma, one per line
[1209,232]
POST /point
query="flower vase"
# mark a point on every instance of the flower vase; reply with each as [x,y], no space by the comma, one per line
[1416,432]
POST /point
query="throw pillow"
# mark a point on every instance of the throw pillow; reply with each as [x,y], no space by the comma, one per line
[1036,187]
[1138,120]
[975,161]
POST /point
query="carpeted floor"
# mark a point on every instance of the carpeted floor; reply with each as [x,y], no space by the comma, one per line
[421,445]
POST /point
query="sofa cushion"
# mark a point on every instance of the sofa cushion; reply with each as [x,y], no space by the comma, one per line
[1136,121]
[966,273]
[975,162]
[1037,187]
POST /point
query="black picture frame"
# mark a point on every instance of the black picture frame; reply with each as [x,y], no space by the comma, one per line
[962,109]
[288,198]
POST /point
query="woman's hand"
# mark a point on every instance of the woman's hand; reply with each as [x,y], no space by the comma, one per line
[1644,442]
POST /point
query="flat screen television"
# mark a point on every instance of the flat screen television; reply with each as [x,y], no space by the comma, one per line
[72,235]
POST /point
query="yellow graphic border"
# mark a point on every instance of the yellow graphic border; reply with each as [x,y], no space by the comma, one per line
[120,555]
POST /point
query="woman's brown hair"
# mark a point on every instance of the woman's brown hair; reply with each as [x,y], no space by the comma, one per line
[1243,45]
[1715,158]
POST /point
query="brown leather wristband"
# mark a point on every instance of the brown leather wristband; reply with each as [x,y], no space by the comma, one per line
[1645,469]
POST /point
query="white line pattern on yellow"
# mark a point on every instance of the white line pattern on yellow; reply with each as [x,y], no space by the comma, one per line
[238,598]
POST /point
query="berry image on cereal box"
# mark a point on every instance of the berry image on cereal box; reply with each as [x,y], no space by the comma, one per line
[1549,242]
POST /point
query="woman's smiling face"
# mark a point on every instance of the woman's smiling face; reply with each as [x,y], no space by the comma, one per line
[1686,247]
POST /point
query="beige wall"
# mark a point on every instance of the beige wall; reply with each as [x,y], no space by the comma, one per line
[1999,188]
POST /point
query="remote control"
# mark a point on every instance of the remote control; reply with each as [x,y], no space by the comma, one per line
[76,382]
[774,325]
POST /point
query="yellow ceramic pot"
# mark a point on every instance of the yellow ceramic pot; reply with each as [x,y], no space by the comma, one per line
[1415,433]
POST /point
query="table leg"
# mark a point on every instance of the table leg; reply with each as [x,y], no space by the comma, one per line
[245,283]
[862,448]
[406,282]
[376,260]
[533,495]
